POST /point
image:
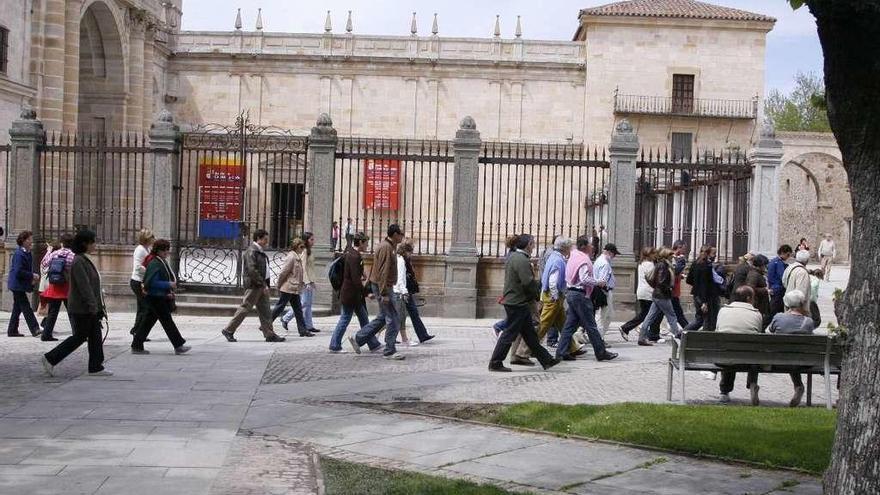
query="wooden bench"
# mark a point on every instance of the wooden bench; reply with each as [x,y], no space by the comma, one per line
[764,353]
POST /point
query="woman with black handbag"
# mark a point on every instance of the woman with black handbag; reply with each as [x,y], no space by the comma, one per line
[404,295]
[159,285]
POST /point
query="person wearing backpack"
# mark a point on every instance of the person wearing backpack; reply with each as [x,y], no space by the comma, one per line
[20,282]
[290,286]
[159,285]
[796,277]
[351,292]
[57,267]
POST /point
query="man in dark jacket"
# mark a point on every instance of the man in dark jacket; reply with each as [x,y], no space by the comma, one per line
[256,283]
[383,276]
[20,282]
[351,294]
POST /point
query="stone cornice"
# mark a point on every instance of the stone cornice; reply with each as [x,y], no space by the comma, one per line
[655,22]
[15,88]
[824,138]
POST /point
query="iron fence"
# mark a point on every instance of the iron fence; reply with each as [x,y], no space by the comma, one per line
[703,199]
[541,189]
[383,181]
[94,181]
[231,181]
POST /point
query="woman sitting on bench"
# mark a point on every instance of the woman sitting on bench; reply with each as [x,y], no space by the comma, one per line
[793,321]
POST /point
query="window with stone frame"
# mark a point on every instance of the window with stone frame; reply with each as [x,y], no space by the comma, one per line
[4,49]
[682,93]
[681,146]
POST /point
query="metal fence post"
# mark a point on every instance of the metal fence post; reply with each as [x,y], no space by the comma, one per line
[461,261]
[766,160]
[623,153]
[163,180]
[23,188]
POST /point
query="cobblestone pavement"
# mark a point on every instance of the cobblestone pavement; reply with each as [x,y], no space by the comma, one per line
[242,417]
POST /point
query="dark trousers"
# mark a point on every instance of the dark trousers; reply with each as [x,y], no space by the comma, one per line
[707,319]
[418,325]
[158,309]
[580,313]
[296,303]
[519,323]
[142,309]
[21,306]
[644,307]
[48,322]
[815,314]
[729,377]
[679,314]
[776,304]
[85,328]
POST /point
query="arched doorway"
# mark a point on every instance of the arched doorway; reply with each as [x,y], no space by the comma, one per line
[101,106]
[813,200]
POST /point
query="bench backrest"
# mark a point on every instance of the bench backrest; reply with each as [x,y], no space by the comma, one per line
[760,349]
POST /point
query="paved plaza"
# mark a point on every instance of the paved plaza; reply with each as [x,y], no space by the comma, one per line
[251,417]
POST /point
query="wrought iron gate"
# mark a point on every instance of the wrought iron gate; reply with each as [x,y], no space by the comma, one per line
[233,180]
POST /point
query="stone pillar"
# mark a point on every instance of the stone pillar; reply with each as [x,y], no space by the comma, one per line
[461,262]
[623,152]
[71,66]
[766,160]
[148,111]
[322,166]
[134,107]
[26,135]
[163,177]
[52,91]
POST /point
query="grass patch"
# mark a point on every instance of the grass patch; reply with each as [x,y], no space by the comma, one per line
[346,478]
[780,437]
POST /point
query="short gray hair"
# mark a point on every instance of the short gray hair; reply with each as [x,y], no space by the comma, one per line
[562,243]
[794,299]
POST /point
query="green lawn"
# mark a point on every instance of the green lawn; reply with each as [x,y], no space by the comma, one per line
[783,437]
[345,478]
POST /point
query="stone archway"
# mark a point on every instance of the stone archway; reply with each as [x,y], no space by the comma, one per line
[814,199]
[102,90]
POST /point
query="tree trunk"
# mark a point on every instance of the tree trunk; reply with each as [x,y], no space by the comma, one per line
[849,31]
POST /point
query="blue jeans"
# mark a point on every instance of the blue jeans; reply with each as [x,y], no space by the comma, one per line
[306,297]
[387,316]
[409,307]
[553,336]
[342,326]
[659,308]
[580,313]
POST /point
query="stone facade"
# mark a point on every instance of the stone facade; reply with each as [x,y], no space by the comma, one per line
[814,192]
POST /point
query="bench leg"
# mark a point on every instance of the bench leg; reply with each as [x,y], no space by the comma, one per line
[809,389]
[682,386]
[669,384]
[828,391]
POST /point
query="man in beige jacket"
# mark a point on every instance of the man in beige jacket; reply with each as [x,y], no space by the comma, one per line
[740,316]
[796,277]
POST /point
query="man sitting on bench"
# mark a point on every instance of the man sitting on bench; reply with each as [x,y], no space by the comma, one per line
[740,316]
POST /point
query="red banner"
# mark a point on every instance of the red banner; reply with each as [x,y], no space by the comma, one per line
[221,184]
[381,184]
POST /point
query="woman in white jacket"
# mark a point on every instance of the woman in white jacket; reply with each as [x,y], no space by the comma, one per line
[643,291]
[404,290]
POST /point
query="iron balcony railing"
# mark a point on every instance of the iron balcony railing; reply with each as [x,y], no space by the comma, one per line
[695,107]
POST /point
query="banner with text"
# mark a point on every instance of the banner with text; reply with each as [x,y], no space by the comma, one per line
[381,184]
[221,194]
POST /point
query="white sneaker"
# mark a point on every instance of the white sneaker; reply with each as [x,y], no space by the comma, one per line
[103,372]
[725,398]
[413,343]
[47,366]
[340,351]
[395,357]
[354,345]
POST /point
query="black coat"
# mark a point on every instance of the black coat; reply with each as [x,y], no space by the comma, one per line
[663,281]
[700,279]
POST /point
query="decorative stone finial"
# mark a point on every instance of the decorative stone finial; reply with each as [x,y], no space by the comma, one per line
[468,123]
[497,26]
[413,28]
[434,28]
[349,27]
[324,120]
[767,129]
[259,19]
[328,26]
[518,33]
[623,127]
[238,20]
[165,116]
[28,112]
